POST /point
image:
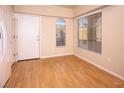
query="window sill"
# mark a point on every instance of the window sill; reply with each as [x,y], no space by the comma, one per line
[60,46]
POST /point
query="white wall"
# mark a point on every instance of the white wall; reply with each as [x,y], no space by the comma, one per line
[84,9]
[48,38]
[112,40]
[47,10]
[6,16]
[49,15]
[111,58]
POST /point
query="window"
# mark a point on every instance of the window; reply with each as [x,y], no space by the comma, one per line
[90,32]
[60,32]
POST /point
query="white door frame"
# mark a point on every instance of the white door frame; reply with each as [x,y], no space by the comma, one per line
[40,32]
[4,35]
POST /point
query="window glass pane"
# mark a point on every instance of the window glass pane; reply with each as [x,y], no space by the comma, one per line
[60,21]
[82,40]
[90,33]
[60,32]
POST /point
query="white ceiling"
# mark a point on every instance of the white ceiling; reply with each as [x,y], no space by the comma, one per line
[69,6]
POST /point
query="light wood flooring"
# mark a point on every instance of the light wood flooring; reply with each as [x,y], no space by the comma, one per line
[60,72]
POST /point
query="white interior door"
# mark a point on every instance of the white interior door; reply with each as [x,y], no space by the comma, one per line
[28,31]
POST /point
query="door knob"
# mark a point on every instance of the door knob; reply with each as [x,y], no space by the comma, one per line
[38,38]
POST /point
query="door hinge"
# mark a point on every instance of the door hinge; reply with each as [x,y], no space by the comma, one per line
[14,55]
[14,36]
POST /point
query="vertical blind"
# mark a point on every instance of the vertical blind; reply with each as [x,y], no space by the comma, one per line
[90,32]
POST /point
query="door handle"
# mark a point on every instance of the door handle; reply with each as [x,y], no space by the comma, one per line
[38,39]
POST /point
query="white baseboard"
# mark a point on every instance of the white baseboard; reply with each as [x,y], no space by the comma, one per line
[57,55]
[110,72]
[89,61]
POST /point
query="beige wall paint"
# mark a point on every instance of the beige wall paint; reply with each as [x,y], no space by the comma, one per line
[10,21]
[48,38]
[122,37]
[48,28]
[47,10]
[112,30]
[111,58]
[84,8]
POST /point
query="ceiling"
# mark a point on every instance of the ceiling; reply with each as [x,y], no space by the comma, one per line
[69,6]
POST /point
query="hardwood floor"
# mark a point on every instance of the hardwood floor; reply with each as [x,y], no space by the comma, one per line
[60,72]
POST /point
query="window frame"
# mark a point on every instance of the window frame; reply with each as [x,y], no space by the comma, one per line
[83,16]
[62,46]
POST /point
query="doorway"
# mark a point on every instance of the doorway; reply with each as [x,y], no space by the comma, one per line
[28,36]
